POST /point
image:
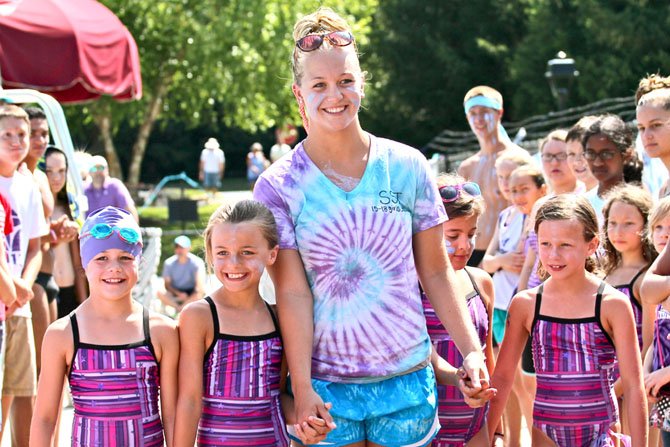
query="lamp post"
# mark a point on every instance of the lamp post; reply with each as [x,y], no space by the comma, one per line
[561,73]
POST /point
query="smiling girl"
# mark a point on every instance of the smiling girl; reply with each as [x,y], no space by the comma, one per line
[119,358]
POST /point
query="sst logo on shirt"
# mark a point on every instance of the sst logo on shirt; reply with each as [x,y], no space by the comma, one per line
[388,202]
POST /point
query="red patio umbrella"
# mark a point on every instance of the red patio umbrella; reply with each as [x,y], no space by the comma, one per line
[74,50]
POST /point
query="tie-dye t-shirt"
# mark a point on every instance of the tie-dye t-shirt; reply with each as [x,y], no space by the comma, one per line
[357,250]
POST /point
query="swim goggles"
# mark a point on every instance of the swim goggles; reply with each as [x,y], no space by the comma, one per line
[314,41]
[103,231]
[450,193]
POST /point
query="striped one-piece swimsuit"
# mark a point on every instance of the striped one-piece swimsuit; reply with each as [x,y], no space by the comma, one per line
[574,359]
[459,423]
[241,390]
[627,289]
[661,357]
[115,390]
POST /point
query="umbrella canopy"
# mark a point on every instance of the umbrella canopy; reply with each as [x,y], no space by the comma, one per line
[74,50]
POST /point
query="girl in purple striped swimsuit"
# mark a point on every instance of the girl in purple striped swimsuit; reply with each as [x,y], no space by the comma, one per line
[117,356]
[579,327]
[231,367]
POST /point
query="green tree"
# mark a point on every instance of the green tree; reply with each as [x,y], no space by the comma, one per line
[424,56]
[614,44]
[207,62]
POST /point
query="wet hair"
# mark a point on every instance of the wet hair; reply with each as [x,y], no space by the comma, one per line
[12,111]
[568,207]
[651,83]
[615,130]
[555,135]
[323,20]
[62,195]
[465,205]
[640,199]
[35,113]
[576,132]
[250,211]
[516,157]
[485,91]
[531,171]
[656,98]
[660,211]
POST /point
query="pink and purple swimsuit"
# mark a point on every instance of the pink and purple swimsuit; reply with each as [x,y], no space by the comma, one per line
[240,398]
[574,358]
[459,422]
[627,289]
[115,392]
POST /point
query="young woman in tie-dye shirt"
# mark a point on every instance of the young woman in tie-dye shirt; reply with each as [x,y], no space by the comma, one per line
[359,221]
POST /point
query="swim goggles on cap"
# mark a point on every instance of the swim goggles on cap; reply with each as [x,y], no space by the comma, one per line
[450,193]
[314,41]
[103,231]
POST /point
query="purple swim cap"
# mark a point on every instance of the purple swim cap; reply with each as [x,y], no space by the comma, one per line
[117,219]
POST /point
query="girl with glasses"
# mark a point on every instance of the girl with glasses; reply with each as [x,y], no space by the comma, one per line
[119,358]
[359,220]
[608,149]
[554,156]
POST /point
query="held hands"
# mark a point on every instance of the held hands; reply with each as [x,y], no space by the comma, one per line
[24,292]
[64,230]
[475,369]
[472,397]
[314,429]
[654,381]
[313,416]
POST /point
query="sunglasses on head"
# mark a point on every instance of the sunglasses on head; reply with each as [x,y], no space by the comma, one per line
[450,193]
[97,168]
[103,231]
[314,41]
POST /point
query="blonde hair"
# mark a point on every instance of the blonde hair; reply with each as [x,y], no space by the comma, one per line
[516,157]
[485,91]
[659,212]
[649,84]
[250,211]
[323,20]
[12,111]
[554,135]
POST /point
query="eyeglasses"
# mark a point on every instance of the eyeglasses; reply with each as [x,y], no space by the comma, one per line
[103,231]
[604,155]
[314,41]
[450,193]
[561,156]
[96,169]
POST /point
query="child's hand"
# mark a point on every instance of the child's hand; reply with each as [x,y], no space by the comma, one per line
[314,429]
[474,368]
[654,381]
[473,397]
[512,261]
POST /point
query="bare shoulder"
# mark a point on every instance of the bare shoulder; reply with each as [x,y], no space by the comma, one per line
[196,314]
[162,325]
[483,280]
[512,148]
[466,166]
[522,307]
[59,338]
[614,301]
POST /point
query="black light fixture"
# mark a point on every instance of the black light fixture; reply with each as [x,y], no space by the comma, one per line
[561,73]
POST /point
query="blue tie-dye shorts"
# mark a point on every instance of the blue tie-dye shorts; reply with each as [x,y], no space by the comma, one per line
[397,412]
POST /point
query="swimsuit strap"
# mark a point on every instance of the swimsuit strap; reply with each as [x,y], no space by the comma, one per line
[274,317]
[599,298]
[637,275]
[215,315]
[145,326]
[472,280]
[538,301]
[75,330]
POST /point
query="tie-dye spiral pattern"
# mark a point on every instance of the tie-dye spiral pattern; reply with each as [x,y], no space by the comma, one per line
[356,247]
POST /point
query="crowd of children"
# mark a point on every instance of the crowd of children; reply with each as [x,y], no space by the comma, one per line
[397,294]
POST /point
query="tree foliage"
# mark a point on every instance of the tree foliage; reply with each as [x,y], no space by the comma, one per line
[209,63]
